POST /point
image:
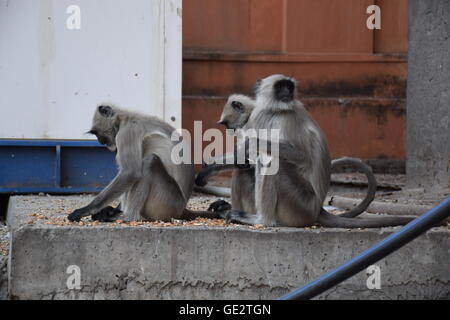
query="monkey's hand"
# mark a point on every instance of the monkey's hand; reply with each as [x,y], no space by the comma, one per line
[219,206]
[200,180]
[78,214]
[107,214]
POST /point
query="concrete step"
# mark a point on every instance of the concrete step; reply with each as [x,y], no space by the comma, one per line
[204,259]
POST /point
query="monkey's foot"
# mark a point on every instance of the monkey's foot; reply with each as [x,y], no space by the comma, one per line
[107,214]
[238,216]
[78,214]
[219,206]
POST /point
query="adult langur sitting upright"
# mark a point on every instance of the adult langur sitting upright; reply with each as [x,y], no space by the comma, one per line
[235,115]
[294,196]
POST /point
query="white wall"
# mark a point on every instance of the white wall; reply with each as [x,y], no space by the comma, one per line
[51,78]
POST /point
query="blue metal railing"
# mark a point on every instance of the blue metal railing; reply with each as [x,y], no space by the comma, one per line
[395,241]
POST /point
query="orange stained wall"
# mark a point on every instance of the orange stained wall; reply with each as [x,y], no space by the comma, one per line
[351,79]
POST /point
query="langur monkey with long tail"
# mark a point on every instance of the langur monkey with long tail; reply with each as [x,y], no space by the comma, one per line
[235,115]
[293,197]
[151,186]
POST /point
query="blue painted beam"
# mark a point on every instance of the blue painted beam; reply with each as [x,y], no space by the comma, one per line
[50,143]
[54,166]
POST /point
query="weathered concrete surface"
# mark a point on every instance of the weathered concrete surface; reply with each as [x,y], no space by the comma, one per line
[142,262]
[428,95]
[4,248]
[3,278]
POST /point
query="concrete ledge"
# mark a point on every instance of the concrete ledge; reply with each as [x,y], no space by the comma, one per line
[4,249]
[3,277]
[189,262]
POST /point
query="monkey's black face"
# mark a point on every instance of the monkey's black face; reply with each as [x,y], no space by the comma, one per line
[101,138]
[237,106]
[284,90]
[224,123]
[229,123]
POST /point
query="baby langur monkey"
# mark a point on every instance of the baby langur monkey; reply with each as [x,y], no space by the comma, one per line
[150,185]
[294,196]
[235,115]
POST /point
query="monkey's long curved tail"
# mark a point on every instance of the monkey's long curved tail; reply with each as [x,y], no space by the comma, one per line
[217,191]
[327,219]
[371,184]
[211,170]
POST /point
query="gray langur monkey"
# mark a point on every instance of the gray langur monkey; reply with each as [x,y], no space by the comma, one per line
[293,197]
[235,115]
[236,111]
[150,185]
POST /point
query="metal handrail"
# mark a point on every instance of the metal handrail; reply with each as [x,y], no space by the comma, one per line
[395,241]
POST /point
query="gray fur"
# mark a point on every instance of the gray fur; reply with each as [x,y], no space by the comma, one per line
[294,196]
[149,184]
[233,119]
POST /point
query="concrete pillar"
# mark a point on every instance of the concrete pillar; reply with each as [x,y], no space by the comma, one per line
[428,95]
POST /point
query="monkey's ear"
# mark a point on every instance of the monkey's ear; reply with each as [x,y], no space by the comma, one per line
[105,111]
[237,106]
[257,85]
